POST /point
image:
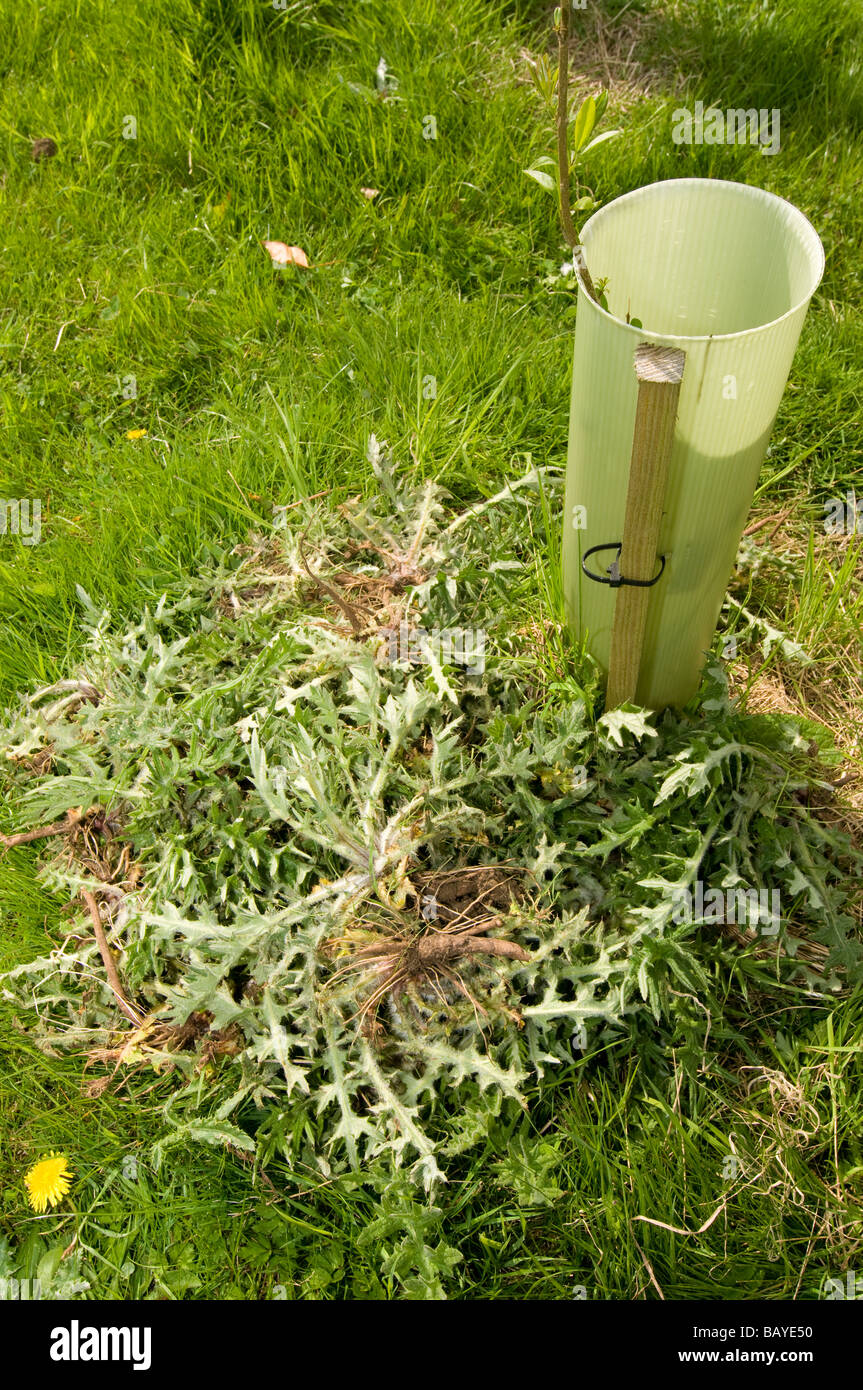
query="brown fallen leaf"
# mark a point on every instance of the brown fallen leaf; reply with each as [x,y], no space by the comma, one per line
[44,148]
[282,254]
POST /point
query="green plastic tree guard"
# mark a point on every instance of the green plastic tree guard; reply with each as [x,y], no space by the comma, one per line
[724,271]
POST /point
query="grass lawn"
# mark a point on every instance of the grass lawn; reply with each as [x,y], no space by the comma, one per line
[164,387]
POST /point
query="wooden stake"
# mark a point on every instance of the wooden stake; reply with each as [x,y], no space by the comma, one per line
[659,371]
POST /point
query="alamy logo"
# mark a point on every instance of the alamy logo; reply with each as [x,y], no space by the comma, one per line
[76,1343]
[844,515]
[461,646]
[733,127]
[21,517]
[852,1288]
[751,907]
[15,1290]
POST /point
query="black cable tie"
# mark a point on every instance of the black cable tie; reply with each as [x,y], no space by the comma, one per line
[615,578]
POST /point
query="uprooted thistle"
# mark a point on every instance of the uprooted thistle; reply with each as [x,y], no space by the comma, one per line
[420,960]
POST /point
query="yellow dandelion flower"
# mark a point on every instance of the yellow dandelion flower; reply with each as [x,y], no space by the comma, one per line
[136,434]
[48,1181]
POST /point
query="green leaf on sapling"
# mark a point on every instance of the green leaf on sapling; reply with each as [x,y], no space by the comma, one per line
[584,123]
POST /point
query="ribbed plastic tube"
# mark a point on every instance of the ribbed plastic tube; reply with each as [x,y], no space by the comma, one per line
[725,272]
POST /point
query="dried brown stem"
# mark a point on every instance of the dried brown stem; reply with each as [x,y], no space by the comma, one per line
[108,959]
[42,832]
[348,609]
[778,517]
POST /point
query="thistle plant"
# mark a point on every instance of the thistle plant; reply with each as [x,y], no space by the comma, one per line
[357,904]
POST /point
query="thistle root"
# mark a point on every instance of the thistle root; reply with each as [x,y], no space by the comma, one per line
[108,960]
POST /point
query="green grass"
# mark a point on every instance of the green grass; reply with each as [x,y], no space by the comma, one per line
[141,259]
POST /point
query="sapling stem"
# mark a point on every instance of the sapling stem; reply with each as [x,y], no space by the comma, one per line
[569,231]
